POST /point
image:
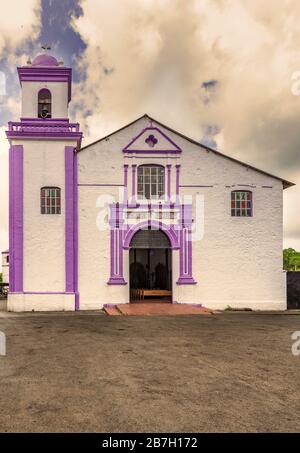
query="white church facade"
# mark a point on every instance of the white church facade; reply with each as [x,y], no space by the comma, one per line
[142,211]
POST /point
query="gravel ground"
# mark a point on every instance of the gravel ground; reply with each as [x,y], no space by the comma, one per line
[95,373]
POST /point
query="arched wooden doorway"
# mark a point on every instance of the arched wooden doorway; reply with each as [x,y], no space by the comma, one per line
[150,262]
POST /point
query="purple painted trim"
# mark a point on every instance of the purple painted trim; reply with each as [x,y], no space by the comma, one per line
[46,74]
[54,130]
[43,125]
[125,183]
[112,253]
[181,185]
[116,281]
[177,178]
[116,249]
[151,151]
[150,157]
[180,236]
[102,185]
[44,120]
[171,234]
[186,281]
[16,217]
[185,256]
[169,166]
[11,219]
[43,292]
[177,150]
[75,212]
[133,167]
[69,217]
[48,135]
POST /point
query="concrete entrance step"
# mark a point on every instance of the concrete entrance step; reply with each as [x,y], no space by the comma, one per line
[161,309]
[112,310]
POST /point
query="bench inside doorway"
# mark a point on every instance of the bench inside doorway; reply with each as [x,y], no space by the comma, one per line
[142,293]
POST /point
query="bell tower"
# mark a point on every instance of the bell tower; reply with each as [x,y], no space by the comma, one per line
[43,191]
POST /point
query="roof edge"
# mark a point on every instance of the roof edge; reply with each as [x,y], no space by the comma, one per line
[286,183]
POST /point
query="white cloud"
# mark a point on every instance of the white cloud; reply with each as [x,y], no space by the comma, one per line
[19,24]
[19,20]
[161,52]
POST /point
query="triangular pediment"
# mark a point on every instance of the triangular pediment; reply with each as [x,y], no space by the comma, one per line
[152,140]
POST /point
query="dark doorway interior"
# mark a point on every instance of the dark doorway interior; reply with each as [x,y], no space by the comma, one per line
[150,266]
[293,290]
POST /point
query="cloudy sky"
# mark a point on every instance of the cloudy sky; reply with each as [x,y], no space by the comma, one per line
[224,72]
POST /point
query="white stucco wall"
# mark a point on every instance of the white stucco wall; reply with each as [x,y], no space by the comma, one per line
[44,235]
[40,302]
[238,262]
[59,92]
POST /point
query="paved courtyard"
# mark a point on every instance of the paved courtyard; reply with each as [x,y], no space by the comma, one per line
[92,372]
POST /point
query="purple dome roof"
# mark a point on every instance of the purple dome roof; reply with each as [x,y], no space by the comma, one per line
[45,60]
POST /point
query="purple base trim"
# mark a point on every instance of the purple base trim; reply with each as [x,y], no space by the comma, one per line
[186,281]
[42,292]
[116,281]
[109,305]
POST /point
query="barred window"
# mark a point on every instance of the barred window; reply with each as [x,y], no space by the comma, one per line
[241,203]
[50,200]
[151,181]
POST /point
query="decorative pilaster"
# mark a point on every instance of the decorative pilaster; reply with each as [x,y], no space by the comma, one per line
[177,179]
[16,218]
[125,183]
[133,170]
[116,247]
[185,254]
[169,166]
[69,218]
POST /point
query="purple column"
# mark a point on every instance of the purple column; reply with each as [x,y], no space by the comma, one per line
[133,167]
[75,186]
[116,246]
[125,183]
[69,218]
[177,179]
[16,218]
[169,181]
[185,253]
